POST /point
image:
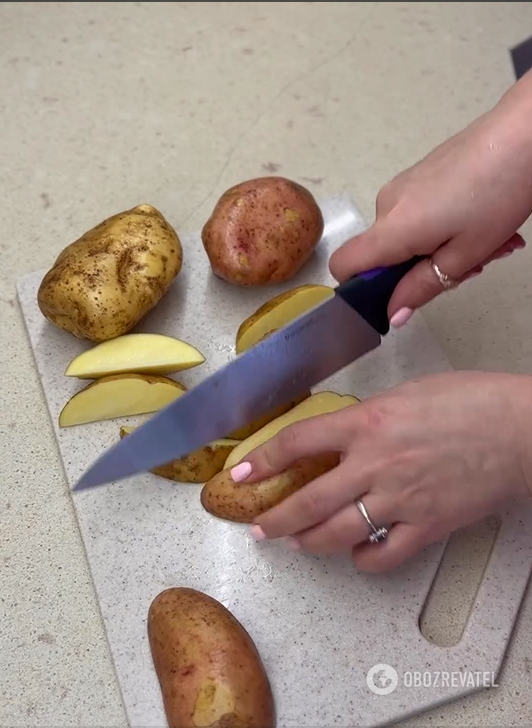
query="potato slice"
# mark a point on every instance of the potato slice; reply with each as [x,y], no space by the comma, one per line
[208,666]
[196,467]
[119,395]
[243,502]
[135,354]
[279,311]
[318,404]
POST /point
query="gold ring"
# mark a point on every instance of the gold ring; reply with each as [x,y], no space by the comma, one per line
[446,281]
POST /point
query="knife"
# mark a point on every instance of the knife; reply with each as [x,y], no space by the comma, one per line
[309,349]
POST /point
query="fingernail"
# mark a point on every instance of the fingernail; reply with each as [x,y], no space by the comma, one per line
[401,317]
[257,533]
[475,274]
[240,472]
[293,545]
[507,254]
[520,245]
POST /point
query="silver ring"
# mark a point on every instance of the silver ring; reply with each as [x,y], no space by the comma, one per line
[446,281]
[377,534]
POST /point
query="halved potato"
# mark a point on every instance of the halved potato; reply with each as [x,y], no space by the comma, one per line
[279,311]
[318,404]
[196,467]
[135,354]
[243,502]
[119,395]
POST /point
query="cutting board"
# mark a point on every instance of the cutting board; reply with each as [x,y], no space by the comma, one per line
[319,625]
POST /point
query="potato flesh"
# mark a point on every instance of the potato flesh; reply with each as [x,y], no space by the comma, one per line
[196,467]
[208,666]
[243,502]
[121,395]
[279,311]
[317,404]
[135,354]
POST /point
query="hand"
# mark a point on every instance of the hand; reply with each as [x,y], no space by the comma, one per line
[463,204]
[426,458]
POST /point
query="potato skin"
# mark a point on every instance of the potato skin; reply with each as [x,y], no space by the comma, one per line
[262,231]
[208,667]
[104,283]
[197,467]
[244,502]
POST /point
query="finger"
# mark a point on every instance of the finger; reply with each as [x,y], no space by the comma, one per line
[404,541]
[315,502]
[312,436]
[421,284]
[387,242]
[347,527]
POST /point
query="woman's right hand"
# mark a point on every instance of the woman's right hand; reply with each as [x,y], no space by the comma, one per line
[462,205]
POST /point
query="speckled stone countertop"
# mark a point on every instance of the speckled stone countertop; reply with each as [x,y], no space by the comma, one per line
[104,105]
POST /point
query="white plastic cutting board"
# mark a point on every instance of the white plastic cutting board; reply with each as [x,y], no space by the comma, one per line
[318,624]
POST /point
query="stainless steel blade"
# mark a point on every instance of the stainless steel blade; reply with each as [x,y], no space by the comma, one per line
[302,354]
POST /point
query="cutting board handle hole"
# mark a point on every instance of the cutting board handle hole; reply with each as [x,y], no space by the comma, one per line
[453,592]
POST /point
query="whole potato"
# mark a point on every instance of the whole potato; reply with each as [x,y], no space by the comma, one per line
[262,231]
[105,282]
[243,502]
[208,667]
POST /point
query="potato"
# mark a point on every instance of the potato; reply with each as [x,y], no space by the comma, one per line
[317,404]
[243,502]
[262,231]
[247,430]
[105,282]
[135,354]
[196,467]
[208,667]
[279,311]
[119,395]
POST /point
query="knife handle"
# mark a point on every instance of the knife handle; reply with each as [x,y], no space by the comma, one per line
[369,293]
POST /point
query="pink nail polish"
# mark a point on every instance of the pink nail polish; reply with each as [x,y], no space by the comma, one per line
[475,274]
[257,533]
[293,545]
[401,317]
[520,245]
[507,254]
[240,472]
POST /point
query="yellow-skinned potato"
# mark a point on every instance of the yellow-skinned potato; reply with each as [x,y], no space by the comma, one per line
[196,467]
[317,404]
[119,395]
[135,354]
[279,311]
[243,502]
[105,282]
[209,669]
[262,231]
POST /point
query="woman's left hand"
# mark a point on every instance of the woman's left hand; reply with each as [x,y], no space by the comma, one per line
[426,458]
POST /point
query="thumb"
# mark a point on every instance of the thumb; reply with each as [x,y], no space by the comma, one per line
[387,242]
[312,436]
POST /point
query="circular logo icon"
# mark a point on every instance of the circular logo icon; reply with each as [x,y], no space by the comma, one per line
[382,679]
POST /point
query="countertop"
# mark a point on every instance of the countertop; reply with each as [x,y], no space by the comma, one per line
[107,105]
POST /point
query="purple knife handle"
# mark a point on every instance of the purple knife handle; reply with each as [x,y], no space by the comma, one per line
[369,293]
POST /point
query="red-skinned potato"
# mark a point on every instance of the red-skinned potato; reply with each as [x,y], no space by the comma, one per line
[209,669]
[262,231]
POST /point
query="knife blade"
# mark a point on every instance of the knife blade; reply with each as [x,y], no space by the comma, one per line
[298,356]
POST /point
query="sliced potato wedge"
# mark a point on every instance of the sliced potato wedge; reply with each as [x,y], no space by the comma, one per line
[279,311]
[135,354]
[196,467]
[318,404]
[119,395]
